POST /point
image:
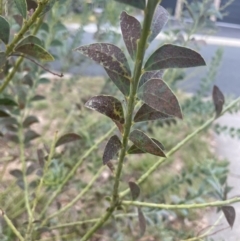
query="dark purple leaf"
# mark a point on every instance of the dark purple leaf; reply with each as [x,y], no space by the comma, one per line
[230,214]
[111,149]
[31,5]
[30,135]
[4,30]
[107,105]
[16,173]
[135,190]
[135,3]
[142,222]
[35,51]
[19,19]
[146,113]
[218,100]
[109,56]
[3,60]
[70,137]
[29,121]
[150,75]
[131,31]
[173,56]
[159,96]
[160,18]
[146,144]
[21,7]
[7,102]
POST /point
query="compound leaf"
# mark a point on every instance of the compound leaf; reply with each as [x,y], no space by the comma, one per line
[131,31]
[141,4]
[173,56]
[159,96]
[111,149]
[144,143]
[70,137]
[230,214]
[142,222]
[218,100]
[160,18]
[107,105]
[35,51]
[146,113]
[4,30]
[135,190]
[22,7]
[150,75]
[31,39]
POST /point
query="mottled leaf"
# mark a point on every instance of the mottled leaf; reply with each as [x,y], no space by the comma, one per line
[107,105]
[160,18]
[37,98]
[150,75]
[144,143]
[19,19]
[230,214]
[3,60]
[159,96]
[70,137]
[7,102]
[142,222]
[218,100]
[146,113]
[141,4]
[135,190]
[111,149]
[29,121]
[131,31]
[113,60]
[173,56]
[31,39]
[16,173]
[4,30]
[35,51]
[22,7]
[110,166]
[30,135]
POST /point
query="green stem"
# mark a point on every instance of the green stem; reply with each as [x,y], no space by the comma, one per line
[181,206]
[73,171]
[1,7]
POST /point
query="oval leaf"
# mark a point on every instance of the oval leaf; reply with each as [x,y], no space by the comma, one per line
[131,31]
[111,149]
[230,214]
[4,30]
[218,100]
[30,135]
[29,121]
[142,222]
[16,173]
[160,18]
[31,39]
[7,102]
[146,144]
[22,7]
[4,113]
[35,51]
[135,190]
[48,6]
[141,4]
[173,56]
[150,75]
[3,60]
[67,138]
[19,19]
[107,105]
[159,96]
[31,5]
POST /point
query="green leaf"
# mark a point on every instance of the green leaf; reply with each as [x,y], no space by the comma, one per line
[107,105]
[173,56]
[29,121]
[31,39]
[4,30]
[131,31]
[159,96]
[111,149]
[22,7]
[112,59]
[135,190]
[48,6]
[146,113]
[37,98]
[218,100]
[3,60]
[7,102]
[160,18]
[27,80]
[144,143]
[150,75]
[16,173]
[142,222]
[30,135]
[230,214]
[35,51]
[56,43]
[141,4]
[4,113]
[70,137]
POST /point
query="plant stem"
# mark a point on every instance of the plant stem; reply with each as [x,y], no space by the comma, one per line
[179,145]
[142,44]
[1,7]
